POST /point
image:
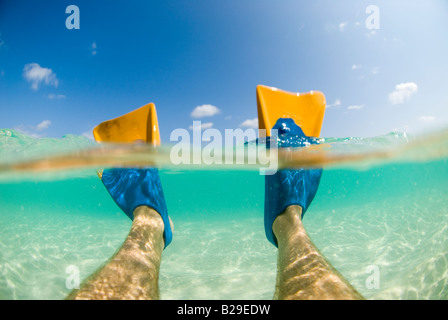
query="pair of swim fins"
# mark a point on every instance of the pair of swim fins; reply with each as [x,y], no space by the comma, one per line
[291,113]
[307,110]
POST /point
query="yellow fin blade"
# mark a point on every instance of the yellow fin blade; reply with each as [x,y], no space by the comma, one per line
[138,125]
[306,109]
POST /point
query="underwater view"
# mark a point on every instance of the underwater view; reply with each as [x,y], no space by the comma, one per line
[386,219]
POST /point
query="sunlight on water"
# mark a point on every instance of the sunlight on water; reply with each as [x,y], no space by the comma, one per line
[388,214]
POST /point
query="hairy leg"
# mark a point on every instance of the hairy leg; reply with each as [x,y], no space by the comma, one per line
[133,272]
[303,273]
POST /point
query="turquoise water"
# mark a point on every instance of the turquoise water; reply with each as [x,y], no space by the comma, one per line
[392,215]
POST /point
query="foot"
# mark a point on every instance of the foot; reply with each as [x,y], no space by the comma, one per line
[132,188]
[289,187]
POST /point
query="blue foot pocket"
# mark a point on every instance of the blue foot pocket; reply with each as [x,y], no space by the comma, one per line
[291,186]
[131,188]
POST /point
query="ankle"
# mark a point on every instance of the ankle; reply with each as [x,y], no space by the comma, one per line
[148,225]
[147,215]
[287,223]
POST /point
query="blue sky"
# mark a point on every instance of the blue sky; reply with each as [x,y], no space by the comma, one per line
[212,54]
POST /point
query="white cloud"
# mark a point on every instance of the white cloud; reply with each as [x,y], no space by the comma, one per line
[375,70]
[32,130]
[53,96]
[355,107]
[370,34]
[402,92]
[206,110]
[336,103]
[28,130]
[342,26]
[2,43]
[356,66]
[88,134]
[204,126]
[93,48]
[250,123]
[43,125]
[36,75]
[427,118]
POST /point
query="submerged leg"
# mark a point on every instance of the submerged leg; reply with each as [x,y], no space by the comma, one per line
[133,272]
[302,272]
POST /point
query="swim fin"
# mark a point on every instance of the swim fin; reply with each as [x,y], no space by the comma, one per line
[289,186]
[129,187]
[306,109]
[140,125]
[297,117]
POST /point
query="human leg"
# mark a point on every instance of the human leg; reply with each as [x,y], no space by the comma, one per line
[133,272]
[302,271]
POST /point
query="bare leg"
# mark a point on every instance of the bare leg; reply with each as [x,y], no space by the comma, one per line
[133,272]
[303,273]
